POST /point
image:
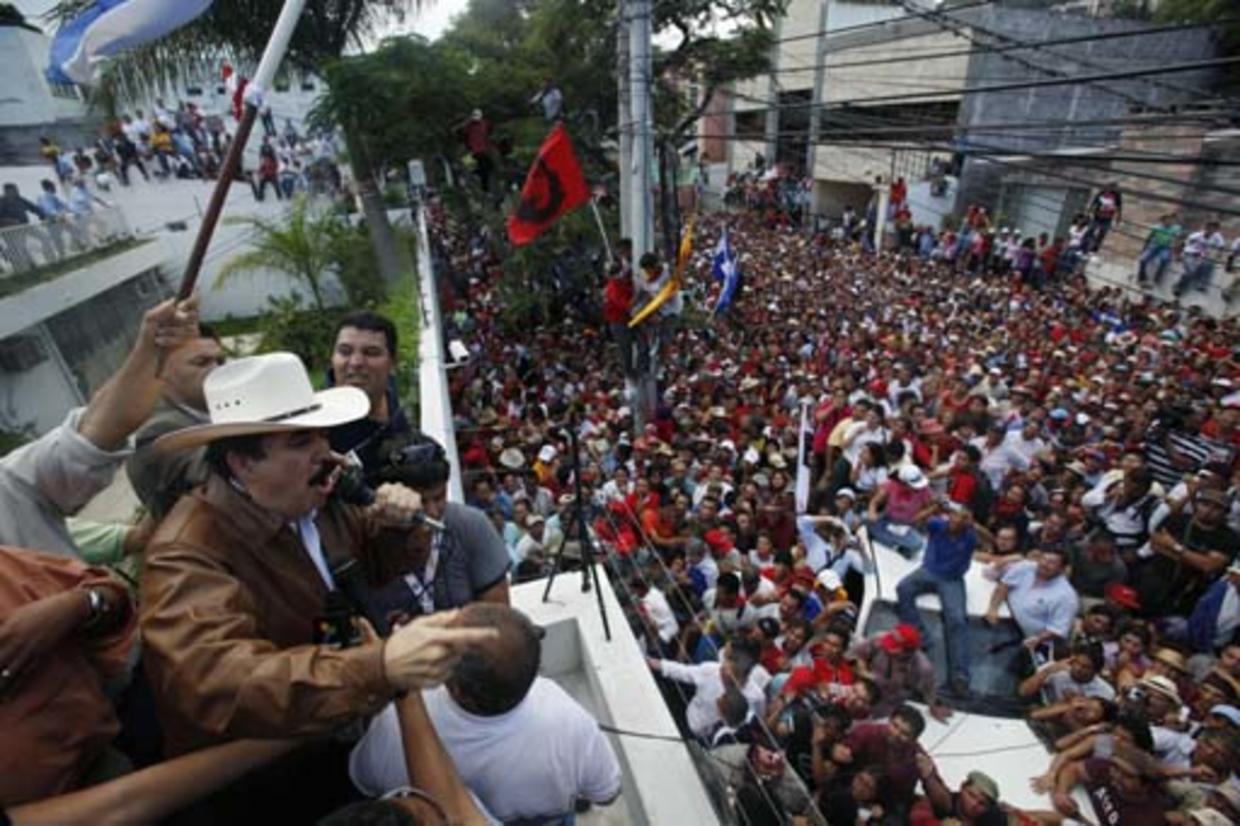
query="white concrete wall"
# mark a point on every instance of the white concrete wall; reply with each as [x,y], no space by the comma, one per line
[25,96]
[852,82]
[42,301]
[660,787]
[433,397]
[796,59]
[39,397]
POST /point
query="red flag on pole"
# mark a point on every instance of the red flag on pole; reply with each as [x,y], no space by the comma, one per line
[555,186]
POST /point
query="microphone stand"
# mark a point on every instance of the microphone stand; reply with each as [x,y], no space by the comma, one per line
[587,551]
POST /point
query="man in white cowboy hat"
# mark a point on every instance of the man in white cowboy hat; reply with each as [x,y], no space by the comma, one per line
[237,575]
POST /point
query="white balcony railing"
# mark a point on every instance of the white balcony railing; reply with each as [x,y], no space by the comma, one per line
[50,245]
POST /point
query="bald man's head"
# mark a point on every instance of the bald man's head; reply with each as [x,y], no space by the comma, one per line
[494,677]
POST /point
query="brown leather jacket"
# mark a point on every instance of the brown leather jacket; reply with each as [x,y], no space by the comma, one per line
[229,596]
[56,719]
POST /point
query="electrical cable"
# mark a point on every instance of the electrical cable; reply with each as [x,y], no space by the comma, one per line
[675,588]
[948,23]
[1166,68]
[1038,44]
[680,690]
[992,150]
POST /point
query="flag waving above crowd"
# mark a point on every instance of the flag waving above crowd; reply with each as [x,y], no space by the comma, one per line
[107,27]
[673,284]
[727,269]
[554,187]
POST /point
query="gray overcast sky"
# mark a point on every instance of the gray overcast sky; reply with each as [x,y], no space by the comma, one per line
[435,16]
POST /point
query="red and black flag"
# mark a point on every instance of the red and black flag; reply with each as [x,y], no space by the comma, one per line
[554,187]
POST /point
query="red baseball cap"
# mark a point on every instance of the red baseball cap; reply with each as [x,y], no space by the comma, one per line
[901,639]
[717,540]
[1123,595]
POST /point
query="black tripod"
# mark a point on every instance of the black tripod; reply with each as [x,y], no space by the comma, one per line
[589,569]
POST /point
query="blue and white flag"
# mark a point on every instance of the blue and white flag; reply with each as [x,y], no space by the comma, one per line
[106,27]
[727,269]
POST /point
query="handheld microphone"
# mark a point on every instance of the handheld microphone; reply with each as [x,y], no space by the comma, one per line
[351,488]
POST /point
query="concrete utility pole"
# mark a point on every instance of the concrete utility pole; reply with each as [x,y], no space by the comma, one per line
[642,391]
[640,71]
[625,118]
[815,110]
[772,97]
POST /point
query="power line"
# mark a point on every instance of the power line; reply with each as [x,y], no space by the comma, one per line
[983,49]
[877,24]
[1172,68]
[860,130]
[994,154]
[906,121]
[949,23]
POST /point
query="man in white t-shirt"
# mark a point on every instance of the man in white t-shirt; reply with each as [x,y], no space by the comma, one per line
[866,428]
[737,667]
[1026,442]
[522,745]
[998,456]
[1201,250]
[655,608]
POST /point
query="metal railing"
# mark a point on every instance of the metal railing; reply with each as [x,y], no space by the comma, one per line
[52,243]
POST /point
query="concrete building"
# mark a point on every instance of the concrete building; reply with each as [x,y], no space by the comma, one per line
[1041,194]
[61,338]
[884,120]
[66,328]
[31,107]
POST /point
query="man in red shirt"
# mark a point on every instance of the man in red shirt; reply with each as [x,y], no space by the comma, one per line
[617,303]
[476,132]
[893,747]
[829,673]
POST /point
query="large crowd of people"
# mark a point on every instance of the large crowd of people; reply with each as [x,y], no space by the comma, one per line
[179,143]
[977,244]
[187,142]
[303,627]
[1072,451]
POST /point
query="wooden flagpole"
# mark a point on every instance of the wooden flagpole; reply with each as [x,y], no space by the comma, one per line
[274,52]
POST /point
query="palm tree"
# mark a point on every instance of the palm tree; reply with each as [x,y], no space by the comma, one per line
[302,247]
[239,29]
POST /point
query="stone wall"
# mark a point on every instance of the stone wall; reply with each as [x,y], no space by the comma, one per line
[1152,189]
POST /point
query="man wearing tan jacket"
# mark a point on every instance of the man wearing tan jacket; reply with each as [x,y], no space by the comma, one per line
[237,576]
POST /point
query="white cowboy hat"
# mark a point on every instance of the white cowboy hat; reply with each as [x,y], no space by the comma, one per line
[511,458]
[266,394]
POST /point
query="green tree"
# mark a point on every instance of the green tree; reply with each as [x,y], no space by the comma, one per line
[302,246]
[712,61]
[10,15]
[399,100]
[1223,14]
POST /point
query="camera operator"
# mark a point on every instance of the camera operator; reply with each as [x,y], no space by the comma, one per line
[436,570]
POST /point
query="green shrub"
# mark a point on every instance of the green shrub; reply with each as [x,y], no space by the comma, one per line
[11,440]
[290,326]
[357,268]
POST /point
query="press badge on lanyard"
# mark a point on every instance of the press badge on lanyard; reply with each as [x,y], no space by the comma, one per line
[423,586]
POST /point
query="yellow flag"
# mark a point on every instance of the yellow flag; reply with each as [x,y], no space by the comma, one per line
[673,283]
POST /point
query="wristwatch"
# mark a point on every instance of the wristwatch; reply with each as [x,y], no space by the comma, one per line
[100,607]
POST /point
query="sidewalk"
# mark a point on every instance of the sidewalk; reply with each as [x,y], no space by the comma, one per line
[1102,273]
